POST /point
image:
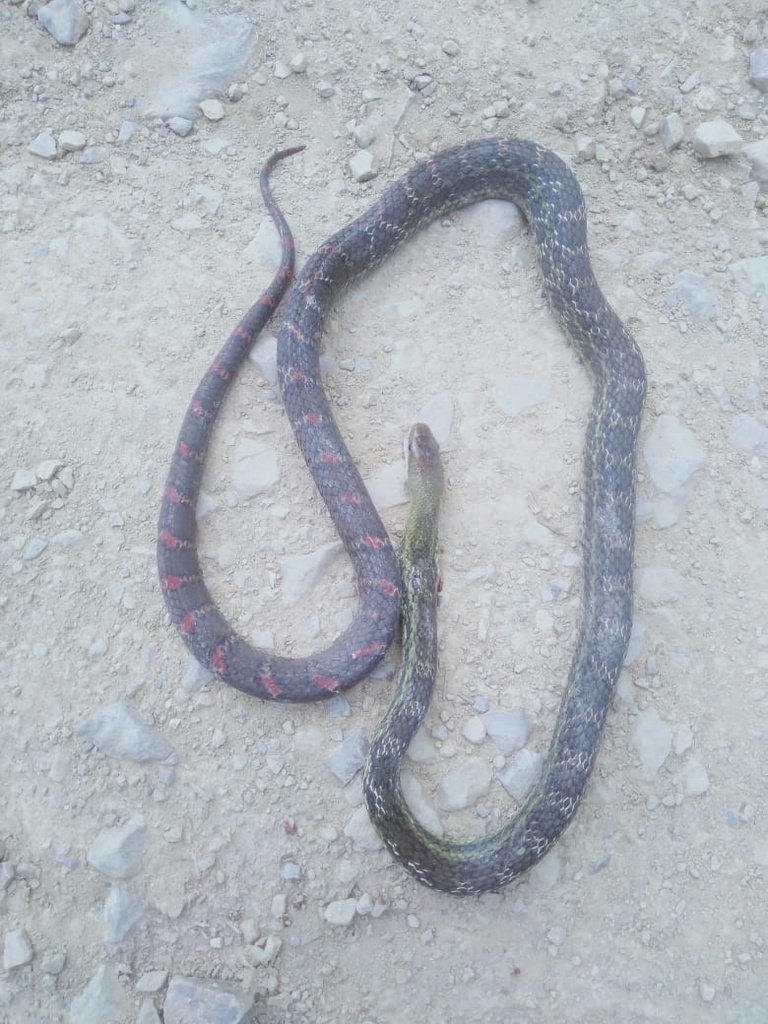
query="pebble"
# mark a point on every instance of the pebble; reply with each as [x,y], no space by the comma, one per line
[671,131]
[203,1001]
[758,69]
[757,155]
[147,1013]
[672,453]
[349,756]
[360,831]
[747,433]
[464,785]
[180,126]
[53,963]
[44,146]
[65,20]
[103,999]
[118,852]
[474,730]
[23,480]
[17,949]
[340,912]
[716,138]
[95,155]
[522,773]
[212,110]
[71,141]
[652,739]
[151,981]
[119,731]
[363,166]
[325,89]
[422,807]
[256,468]
[300,573]
[507,730]
[263,952]
[695,778]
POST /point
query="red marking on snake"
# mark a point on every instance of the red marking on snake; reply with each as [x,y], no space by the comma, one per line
[240,332]
[325,682]
[295,330]
[350,498]
[329,458]
[269,684]
[186,452]
[220,371]
[170,540]
[219,659]
[313,419]
[188,623]
[373,542]
[172,582]
[374,647]
[200,410]
[296,375]
[173,495]
[386,586]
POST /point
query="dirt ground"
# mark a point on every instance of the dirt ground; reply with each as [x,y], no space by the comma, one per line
[128,252]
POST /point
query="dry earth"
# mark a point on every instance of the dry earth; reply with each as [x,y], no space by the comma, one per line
[126,263]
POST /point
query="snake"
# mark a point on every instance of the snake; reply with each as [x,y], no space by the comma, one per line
[547,192]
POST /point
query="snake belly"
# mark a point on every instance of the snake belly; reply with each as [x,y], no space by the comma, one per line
[547,192]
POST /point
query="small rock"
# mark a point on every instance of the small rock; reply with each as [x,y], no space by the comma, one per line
[213,110]
[341,912]
[65,20]
[695,779]
[118,852]
[671,131]
[758,69]
[17,950]
[360,831]
[325,89]
[23,480]
[95,155]
[522,773]
[151,981]
[44,146]
[300,573]
[120,731]
[103,999]
[71,141]
[298,63]
[363,166]
[507,730]
[181,126]
[256,468]
[716,138]
[464,785]
[474,729]
[652,739]
[202,1001]
[53,963]
[673,454]
[349,756]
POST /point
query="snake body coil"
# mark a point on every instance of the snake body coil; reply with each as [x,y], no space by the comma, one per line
[548,194]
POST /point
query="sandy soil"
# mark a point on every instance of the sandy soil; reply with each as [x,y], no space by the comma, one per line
[121,277]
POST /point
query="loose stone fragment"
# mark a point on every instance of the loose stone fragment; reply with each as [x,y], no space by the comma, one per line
[202,1001]
[65,20]
[349,756]
[71,141]
[118,852]
[464,786]
[363,166]
[671,131]
[103,999]
[122,910]
[652,739]
[17,950]
[508,730]
[340,912]
[716,138]
[758,69]
[43,145]
[120,731]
